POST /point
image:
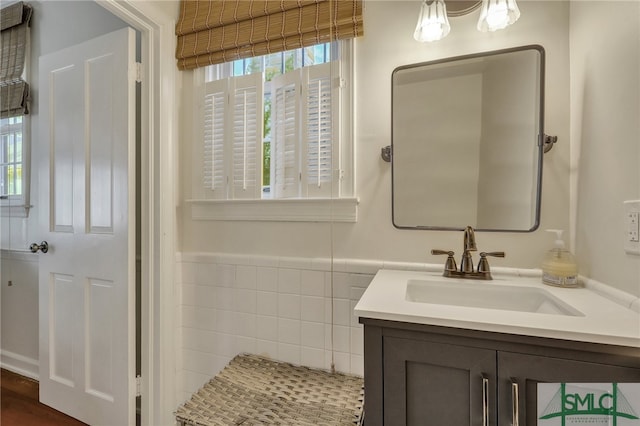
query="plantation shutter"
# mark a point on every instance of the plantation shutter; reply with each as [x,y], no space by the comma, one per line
[14,32]
[246,106]
[214,173]
[285,128]
[217,31]
[320,136]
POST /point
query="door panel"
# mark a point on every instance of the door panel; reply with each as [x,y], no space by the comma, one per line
[87,279]
[100,145]
[63,139]
[61,295]
[428,383]
[100,300]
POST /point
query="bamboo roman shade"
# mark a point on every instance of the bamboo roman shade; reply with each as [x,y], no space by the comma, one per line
[216,31]
[14,26]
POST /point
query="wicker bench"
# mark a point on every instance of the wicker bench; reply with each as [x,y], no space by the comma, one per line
[252,390]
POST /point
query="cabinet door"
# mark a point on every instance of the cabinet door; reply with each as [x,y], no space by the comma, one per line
[527,371]
[435,384]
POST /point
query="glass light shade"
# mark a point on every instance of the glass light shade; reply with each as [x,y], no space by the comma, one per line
[497,14]
[433,23]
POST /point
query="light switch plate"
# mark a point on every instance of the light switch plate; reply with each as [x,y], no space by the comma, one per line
[632,227]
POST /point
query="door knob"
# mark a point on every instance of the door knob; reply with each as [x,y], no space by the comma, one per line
[43,247]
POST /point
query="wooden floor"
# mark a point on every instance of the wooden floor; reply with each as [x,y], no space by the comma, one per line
[19,404]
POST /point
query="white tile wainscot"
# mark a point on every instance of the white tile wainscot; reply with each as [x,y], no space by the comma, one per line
[281,307]
[273,306]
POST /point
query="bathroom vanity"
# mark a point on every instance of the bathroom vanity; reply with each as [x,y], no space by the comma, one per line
[435,359]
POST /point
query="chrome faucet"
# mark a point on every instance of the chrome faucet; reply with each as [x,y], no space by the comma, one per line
[466,263]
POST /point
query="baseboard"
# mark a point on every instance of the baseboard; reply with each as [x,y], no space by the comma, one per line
[20,364]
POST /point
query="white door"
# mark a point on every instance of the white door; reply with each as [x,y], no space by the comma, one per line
[87,187]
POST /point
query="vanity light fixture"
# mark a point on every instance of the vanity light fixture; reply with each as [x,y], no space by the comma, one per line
[433,22]
[497,14]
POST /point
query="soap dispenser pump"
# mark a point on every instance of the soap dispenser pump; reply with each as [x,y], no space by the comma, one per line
[559,266]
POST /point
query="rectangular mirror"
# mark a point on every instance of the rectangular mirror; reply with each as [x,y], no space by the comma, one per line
[467,141]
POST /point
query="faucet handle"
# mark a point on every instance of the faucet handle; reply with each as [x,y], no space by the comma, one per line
[492,254]
[450,264]
[443,252]
[483,264]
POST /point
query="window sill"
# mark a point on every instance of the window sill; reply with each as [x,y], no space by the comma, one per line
[8,210]
[281,210]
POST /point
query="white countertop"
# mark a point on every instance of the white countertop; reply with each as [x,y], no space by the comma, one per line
[603,321]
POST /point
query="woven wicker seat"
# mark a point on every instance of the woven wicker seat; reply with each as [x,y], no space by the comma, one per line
[252,390]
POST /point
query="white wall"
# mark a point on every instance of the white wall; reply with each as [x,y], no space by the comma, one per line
[371,243]
[605,135]
[19,312]
[601,172]
[388,43]
[224,261]
[54,25]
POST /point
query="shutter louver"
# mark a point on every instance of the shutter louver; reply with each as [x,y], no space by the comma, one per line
[214,141]
[320,136]
[285,127]
[247,128]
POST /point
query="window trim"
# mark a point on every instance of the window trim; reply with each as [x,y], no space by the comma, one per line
[277,210]
[342,208]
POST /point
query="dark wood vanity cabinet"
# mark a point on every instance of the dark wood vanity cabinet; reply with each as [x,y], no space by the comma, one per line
[426,375]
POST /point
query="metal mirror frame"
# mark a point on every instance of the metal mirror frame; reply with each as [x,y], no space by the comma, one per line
[542,138]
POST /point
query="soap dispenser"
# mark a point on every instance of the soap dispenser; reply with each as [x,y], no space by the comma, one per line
[559,266]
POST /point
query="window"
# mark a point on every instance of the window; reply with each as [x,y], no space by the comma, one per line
[14,170]
[277,127]
[11,158]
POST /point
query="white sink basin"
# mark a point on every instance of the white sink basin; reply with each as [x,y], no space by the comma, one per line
[478,294]
[511,303]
